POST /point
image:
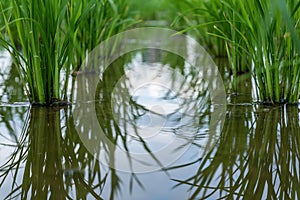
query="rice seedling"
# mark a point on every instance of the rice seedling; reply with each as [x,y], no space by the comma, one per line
[45,45]
[56,35]
[262,37]
[199,18]
[272,45]
[211,22]
[5,8]
[104,19]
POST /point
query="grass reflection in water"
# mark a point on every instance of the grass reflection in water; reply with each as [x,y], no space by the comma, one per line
[251,160]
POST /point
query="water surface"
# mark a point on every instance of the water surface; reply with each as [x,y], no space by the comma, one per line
[255,156]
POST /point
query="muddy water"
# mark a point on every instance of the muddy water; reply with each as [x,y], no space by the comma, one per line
[51,153]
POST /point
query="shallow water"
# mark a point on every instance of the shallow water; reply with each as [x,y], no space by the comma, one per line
[171,151]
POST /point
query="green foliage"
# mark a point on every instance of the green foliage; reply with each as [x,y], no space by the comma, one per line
[55,35]
[44,45]
[104,19]
[259,36]
[159,12]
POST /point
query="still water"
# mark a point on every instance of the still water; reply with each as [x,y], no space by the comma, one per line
[170,152]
